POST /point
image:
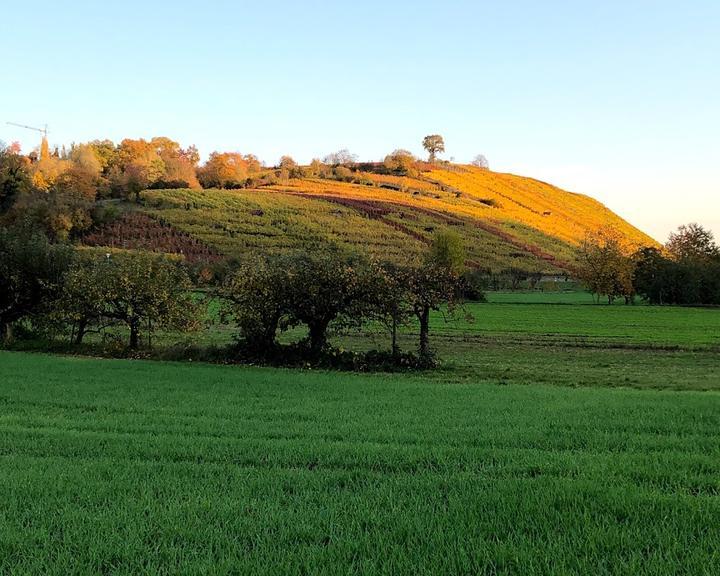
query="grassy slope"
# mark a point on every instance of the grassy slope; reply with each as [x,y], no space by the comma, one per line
[558,213]
[506,220]
[128,467]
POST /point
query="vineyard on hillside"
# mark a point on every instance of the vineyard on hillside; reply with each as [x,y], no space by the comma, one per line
[506,221]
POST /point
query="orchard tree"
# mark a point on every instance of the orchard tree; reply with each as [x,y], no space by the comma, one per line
[430,287]
[393,308]
[435,283]
[256,297]
[516,276]
[267,295]
[144,292]
[31,275]
[434,144]
[323,287]
[84,296]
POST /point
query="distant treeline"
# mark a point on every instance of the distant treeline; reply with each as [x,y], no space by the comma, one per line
[685,271]
[61,190]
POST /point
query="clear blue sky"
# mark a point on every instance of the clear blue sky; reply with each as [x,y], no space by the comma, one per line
[616,99]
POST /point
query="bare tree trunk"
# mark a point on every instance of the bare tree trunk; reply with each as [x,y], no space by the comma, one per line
[81,330]
[424,317]
[6,333]
[134,334]
[318,335]
[395,349]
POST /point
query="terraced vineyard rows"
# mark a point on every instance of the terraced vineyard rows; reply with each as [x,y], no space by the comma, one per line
[506,221]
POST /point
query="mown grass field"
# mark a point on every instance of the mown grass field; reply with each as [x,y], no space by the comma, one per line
[121,467]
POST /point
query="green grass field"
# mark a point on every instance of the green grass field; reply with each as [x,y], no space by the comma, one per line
[557,318]
[558,437]
[574,296]
[135,467]
[589,324]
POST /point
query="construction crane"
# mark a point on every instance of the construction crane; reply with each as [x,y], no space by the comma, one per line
[44,150]
[43,131]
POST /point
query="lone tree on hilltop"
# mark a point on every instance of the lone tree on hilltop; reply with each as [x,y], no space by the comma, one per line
[434,144]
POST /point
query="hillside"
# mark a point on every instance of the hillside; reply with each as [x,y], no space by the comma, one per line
[506,220]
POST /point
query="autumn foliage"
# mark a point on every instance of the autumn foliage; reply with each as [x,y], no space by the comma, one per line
[392,207]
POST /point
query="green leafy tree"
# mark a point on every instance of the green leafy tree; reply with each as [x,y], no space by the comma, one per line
[62,212]
[324,287]
[31,275]
[256,297]
[142,291]
[437,282]
[692,242]
[85,296]
[430,287]
[14,176]
[106,152]
[653,276]
[393,308]
[447,250]
[693,279]
[604,267]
